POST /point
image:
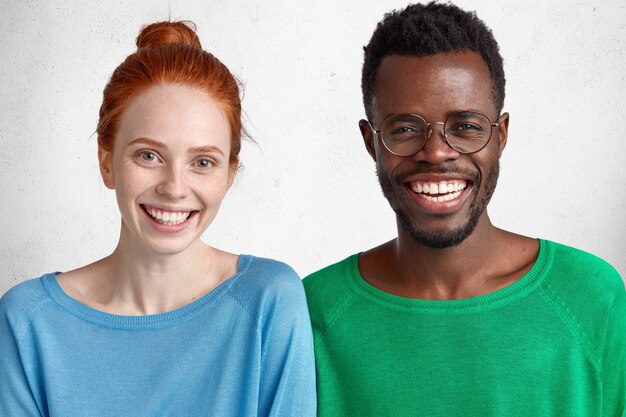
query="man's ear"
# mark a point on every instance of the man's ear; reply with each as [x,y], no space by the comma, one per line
[105,159]
[503,132]
[368,137]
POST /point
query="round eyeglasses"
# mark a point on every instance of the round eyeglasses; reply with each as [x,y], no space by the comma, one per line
[464,131]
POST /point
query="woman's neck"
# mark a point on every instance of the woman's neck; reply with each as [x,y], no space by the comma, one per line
[136,282]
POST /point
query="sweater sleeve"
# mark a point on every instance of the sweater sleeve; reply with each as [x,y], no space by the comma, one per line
[17,397]
[287,386]
[614,361]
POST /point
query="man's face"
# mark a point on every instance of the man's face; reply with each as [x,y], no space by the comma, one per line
[438,194]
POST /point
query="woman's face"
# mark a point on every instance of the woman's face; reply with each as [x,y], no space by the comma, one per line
[169,167]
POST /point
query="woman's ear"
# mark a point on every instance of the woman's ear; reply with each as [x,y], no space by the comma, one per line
[233,169]
[105,159]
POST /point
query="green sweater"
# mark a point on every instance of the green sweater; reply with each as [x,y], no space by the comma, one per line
[551,344]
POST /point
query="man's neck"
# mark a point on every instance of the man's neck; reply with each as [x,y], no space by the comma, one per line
[486,261]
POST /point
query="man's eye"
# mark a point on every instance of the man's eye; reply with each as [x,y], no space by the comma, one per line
[467,126]
[408,130]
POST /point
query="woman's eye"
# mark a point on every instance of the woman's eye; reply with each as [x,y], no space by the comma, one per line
[204,163]
[148,156]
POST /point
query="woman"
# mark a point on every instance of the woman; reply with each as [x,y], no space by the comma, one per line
[165,325]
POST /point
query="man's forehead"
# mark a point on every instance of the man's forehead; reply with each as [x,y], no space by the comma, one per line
[403,67]
[453,80]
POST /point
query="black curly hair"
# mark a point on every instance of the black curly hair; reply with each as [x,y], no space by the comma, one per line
[428,29]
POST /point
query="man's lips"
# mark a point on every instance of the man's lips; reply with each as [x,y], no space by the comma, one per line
[438,191]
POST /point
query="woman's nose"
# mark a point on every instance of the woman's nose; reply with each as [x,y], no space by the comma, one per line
[173,184]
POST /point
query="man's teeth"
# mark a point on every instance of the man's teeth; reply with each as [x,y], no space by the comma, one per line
[439,191]
[168,218]
[439,198]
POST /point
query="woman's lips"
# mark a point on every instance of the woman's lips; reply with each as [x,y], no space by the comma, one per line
[168,220]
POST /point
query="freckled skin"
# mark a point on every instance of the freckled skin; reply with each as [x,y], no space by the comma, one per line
[181,118]
[171,152]
[451,254]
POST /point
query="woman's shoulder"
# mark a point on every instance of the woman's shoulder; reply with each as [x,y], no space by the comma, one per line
[21,302]
[263,280]
[268,272]
[25,293]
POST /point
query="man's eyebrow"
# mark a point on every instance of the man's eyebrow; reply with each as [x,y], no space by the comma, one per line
[158,144]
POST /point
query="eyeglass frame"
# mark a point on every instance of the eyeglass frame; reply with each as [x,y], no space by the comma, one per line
[378,132]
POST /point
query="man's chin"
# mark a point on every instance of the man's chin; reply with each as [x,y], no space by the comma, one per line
[437,238]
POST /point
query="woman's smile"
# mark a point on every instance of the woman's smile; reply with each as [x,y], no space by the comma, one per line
[169,221]
[170,167]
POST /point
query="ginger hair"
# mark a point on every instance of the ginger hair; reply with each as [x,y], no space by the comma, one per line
[169,53]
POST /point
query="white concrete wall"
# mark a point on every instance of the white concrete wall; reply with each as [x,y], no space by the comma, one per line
[308,194]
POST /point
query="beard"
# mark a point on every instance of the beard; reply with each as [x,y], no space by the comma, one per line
[440,238]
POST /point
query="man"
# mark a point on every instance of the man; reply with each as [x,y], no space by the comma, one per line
[456,317]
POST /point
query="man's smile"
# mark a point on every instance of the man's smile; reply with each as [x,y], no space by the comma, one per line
[438,191]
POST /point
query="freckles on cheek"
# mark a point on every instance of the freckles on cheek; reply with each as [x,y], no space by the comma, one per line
[215,189]
[132,177]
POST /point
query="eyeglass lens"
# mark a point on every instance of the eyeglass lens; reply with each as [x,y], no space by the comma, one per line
[466,132]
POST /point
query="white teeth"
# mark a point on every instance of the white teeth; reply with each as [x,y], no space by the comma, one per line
[439,188]
[168,218]
[442,191]
[441,198]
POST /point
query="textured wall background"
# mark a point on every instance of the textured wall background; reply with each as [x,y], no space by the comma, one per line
[308,194]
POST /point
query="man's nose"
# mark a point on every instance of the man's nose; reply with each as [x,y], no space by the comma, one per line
[436,150]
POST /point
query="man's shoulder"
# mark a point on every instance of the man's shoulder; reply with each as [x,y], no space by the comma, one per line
[574,267]
[331,275]
[328,288]
[587,293]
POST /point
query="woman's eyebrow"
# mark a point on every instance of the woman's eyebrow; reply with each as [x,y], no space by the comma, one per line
[206,149]
[148,141]
[158,144]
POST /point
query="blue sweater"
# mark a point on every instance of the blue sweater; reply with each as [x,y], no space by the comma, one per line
[244,349]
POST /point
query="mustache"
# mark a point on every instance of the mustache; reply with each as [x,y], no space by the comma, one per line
[430,169]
